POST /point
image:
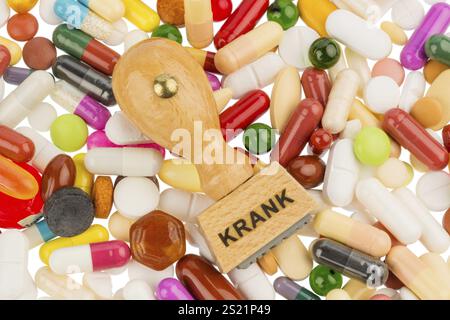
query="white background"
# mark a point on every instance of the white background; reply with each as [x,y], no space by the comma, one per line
[120,280]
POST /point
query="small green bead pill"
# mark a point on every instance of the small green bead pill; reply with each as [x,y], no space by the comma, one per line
[258,138]
[437,48]
[168,31]
[284,12]
[372,146]
[324,53]
[323,279]
[69,132]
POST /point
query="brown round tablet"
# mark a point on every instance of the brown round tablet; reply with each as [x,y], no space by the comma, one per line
[39,53]
[102,195]
[446,221]
[433,69]
[22,26]
[171,11]
[427,111]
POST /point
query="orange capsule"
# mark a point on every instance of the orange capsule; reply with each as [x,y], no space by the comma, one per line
[15,181]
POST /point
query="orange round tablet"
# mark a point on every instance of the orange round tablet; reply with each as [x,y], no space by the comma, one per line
[22,26]
[390,68]
[427,111]
[433,69]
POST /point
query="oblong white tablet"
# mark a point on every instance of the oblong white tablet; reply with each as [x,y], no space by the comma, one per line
[294,46]
[100,283]
[137,290]
[134,197]
[384,206]
[42,117]
[381,94]
[341,174]
[413,90]
[254,76]
[433,237]
[13,264]
[433,188]
[355,33]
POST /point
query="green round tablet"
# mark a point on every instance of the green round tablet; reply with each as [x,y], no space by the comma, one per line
[284,12]
[324,53]
[323,279]
[69,132]
[258,138]
[168,31]
[372,146]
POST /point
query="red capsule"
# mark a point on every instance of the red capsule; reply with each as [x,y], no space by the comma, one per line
[221,9]
[302,123]
[446,137]
[243,113]
[5,59]
[316,84]
[243,19]
[320,141]
[15,146]
[412,136]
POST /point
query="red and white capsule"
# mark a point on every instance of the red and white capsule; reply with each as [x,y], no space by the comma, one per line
[89,258]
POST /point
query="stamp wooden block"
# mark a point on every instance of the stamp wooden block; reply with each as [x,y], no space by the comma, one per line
[255,213]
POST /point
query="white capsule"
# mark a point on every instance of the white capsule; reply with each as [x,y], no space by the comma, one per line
[47,13]
[355,33]
[351,129]
[19,103]
[30,291]
[413,90]
[184,205]
[252,283]
[4,14]
[294,46]
[45,151]
[433,188]
[13,264]
[61,286]
[152,277]
[120,28]
[42,117]
[340,101]
[137,290]
[433,237]
[133,37]
[134,197]
[255,75]
[122,131]
[384,206]
[140,162]
[341,174]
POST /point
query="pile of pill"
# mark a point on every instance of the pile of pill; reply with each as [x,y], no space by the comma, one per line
[351,97]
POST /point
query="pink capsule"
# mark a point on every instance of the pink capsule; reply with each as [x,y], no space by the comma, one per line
[89,258]
[172,289]
[99,139]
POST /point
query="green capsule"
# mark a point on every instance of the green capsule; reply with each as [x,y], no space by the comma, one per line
[258,138]
[323,279]
[324,53]
[283,12]
[168,31]
[71,40]
[437,48]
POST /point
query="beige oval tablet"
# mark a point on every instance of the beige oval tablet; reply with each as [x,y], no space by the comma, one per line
[427,111]
[286,95]
[397,35]
[268,264]
[119,226]
[439,90]
[394,173]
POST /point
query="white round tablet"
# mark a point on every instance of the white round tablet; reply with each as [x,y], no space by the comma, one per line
[294,46]
[433,188]
[134,197]
[137,290]
[152,277]
[42,117]
[381,94]
[407,14]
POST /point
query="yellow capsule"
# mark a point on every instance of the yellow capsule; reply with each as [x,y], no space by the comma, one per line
[397,35]
[83,179]
[198,19]
[22,6]
[14,50]
[180,174]
[141,15]
[315,13]
[95,233]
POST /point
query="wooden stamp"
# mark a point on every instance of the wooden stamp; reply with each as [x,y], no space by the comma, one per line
[161,88]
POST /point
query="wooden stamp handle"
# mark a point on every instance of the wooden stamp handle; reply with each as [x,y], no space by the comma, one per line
[162,89]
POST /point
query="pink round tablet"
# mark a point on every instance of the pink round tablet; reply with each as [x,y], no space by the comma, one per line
[390,68]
